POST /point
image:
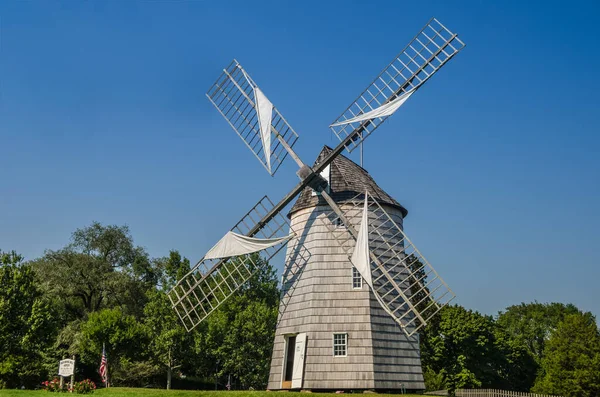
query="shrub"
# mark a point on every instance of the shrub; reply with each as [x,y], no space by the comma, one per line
[86,386]
[53,386]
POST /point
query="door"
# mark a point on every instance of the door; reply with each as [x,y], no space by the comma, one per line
[298,370]
[290,347]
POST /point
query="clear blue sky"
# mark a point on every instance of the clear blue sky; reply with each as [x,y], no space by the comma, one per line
[103,117]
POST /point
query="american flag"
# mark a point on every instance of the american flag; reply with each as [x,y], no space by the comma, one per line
[103,371]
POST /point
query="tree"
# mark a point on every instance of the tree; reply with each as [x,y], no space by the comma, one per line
[462,347]
[125,340]
[171,269]
[170,344]
[242,340]
[531,324]
[100,268]
[237,339]
[526,329]
[519,370]
[26,324]
[571,361]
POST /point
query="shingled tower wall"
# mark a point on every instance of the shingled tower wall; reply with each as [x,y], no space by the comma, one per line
[318,299]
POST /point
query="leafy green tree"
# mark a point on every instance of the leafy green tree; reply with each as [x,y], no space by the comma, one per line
[125,340]
[519,370]
[171,347]
[171,269]
[27,327]
[530,325]
[571,361]
[242,335]
[512,366]
[462,347]
[434,381]
[100,268]
[237,339]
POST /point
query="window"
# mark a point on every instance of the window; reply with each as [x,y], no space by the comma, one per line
[340,345]
[337,222]
[356,278]
[325,174]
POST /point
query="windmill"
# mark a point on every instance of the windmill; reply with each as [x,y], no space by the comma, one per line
[355,289]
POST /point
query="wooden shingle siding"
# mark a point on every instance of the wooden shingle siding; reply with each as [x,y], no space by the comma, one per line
[323,302]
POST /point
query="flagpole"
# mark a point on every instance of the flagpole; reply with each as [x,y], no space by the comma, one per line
[104,366]
[107,382]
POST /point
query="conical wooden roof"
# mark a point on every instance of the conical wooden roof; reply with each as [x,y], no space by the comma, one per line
[347,179]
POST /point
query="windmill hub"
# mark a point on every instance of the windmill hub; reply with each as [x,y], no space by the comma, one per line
[313,180]
[304,172]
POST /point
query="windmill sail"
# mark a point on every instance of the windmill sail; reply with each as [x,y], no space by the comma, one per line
[234,244]
[264,111]
[404,283]
[382,111]
[252,116]
[431,49]
[229,264]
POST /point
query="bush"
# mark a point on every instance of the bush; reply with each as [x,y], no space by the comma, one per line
[86,386]
[53,386]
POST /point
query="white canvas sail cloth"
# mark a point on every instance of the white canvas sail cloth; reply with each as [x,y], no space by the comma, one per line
[384,110]
[264,112]
[234,244]
[360,257]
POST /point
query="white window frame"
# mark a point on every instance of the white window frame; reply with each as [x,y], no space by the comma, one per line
[344,344]
[357,280]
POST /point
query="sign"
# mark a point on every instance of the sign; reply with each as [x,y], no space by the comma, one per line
[66,367]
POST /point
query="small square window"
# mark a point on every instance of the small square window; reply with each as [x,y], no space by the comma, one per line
[340,345]
[356,278]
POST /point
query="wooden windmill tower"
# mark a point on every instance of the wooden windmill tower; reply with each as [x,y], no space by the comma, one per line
[350,341]
[355,289]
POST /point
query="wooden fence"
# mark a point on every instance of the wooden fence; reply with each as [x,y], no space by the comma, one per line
[487,393]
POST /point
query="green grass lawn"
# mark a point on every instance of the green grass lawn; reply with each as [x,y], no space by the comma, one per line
[131,392]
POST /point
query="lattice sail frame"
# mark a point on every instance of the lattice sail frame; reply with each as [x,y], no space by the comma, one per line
[429,50]
[415,292]
[212,281]
[233,96]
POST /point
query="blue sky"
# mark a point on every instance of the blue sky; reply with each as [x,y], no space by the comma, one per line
[103,117]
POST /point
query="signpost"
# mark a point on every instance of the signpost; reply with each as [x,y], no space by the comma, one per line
[66,368]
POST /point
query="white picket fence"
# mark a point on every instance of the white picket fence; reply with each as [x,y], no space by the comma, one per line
[487,393]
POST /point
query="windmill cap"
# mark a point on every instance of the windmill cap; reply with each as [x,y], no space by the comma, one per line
[347,179]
